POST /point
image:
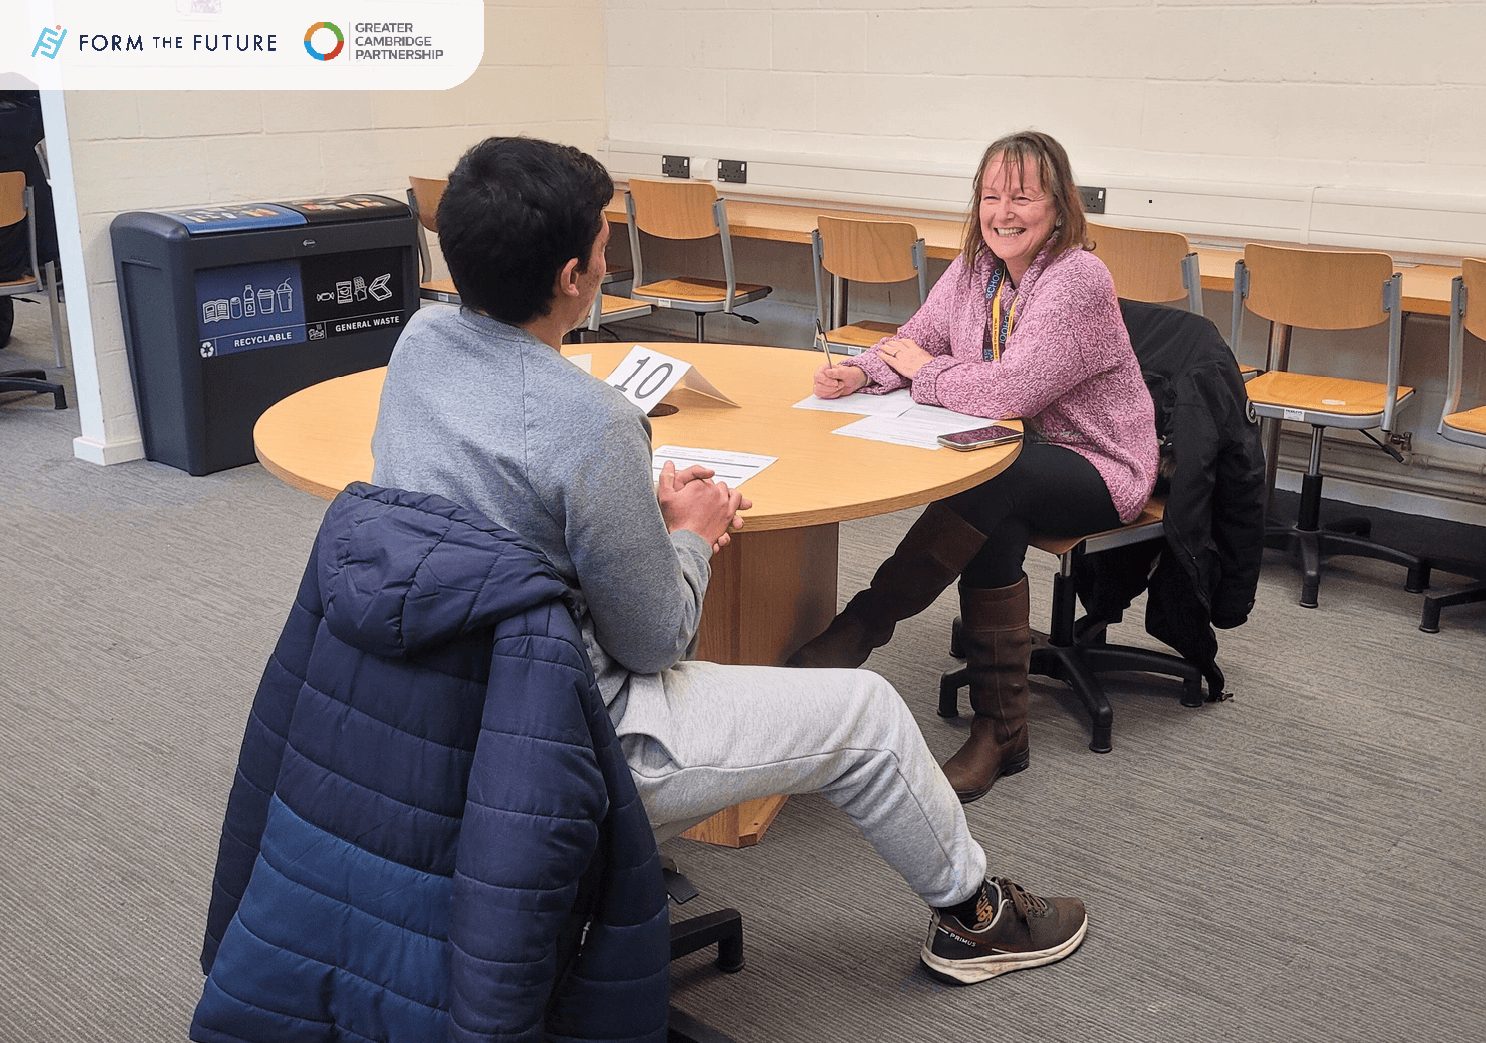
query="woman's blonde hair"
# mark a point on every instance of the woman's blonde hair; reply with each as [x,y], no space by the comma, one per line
[1048,158]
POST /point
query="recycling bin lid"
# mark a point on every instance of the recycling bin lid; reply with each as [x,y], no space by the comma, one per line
[358,207]
[232,217]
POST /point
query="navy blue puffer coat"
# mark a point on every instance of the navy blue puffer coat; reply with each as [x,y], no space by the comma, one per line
[432,833]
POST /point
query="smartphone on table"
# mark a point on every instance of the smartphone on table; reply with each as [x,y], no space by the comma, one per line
[980,437]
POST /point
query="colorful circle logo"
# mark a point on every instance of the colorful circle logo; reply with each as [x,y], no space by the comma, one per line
[340,40]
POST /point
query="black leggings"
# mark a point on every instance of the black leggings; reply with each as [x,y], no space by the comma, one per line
[1049,490]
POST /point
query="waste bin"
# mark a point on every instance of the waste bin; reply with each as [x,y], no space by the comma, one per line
[228,309]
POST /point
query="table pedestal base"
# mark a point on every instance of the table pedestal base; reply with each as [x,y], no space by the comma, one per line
[770,593]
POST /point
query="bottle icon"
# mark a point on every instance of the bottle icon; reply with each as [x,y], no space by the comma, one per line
[265,301]
[250,307]
[286,296]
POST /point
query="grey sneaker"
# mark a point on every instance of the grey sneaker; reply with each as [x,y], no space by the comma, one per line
[1027,931]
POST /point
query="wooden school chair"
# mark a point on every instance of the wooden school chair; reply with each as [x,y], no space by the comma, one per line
[677,209]
[1465,426]
[17,204]
[1154,267]
[424,194]
[862,251]
[1324,290]
[608,309]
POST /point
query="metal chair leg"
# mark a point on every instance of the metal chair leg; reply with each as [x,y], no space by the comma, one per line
[51,290]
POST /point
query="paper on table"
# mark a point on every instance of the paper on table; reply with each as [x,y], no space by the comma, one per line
[919,426]
[733,468]
[583,362]
[891,404]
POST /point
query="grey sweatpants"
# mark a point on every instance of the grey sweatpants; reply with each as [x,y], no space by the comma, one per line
[701,736]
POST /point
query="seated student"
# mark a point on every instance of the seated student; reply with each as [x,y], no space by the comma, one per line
[1024,323]
[480,407]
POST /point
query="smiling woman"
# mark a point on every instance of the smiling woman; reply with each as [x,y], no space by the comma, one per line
[1024,323]
[1024,184]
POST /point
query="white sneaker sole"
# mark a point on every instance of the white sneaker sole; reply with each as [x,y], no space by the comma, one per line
[981,968]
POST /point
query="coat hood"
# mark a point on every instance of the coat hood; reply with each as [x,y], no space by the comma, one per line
[402,572]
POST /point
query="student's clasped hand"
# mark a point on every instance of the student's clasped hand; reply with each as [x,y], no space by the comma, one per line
[838,381]
[689,499]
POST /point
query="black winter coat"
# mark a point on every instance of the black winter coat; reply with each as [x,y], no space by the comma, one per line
[1212,475]
[20,130]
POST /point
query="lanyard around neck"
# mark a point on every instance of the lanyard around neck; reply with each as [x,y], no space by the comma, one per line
[1002,326]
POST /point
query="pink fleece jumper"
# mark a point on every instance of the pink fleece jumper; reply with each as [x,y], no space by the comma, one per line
[1068,369]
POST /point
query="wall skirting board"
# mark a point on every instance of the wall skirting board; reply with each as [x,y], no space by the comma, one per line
[1407,224]
[1367,494]
[96,452]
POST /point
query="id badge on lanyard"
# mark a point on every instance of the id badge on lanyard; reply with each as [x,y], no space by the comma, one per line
[1002,326]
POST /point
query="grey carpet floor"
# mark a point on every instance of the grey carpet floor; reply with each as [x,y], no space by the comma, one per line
[1303,862]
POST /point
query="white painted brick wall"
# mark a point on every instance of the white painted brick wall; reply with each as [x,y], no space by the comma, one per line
[1339,93]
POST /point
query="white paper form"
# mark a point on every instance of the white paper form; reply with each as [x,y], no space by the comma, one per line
[733,468]
[891,404]
[919,426]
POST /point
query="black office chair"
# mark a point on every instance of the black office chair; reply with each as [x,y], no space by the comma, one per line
[1075,651]
[1201,563]
[723,928]
[17,203]
[34,380]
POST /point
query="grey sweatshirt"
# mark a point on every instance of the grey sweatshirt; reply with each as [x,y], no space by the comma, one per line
[488,416]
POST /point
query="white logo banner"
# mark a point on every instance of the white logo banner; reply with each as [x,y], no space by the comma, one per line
[240,44]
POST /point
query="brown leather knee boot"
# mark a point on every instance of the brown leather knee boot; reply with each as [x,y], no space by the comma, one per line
[932,554]
[997,642]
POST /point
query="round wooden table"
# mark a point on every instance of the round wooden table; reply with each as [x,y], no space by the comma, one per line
[774,586]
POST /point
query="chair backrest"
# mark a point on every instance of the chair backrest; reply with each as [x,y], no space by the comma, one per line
[1317,289]
[1467,312]
[12,198]
[864,251]
[867,251]
[1473,307]
[426,195]
[1148,266]
[674,209]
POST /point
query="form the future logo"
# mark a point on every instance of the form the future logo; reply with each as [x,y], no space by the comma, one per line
[49,43]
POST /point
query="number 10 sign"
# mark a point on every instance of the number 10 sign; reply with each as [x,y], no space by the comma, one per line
[645,377]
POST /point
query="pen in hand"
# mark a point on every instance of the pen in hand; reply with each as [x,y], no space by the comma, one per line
[822,343]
